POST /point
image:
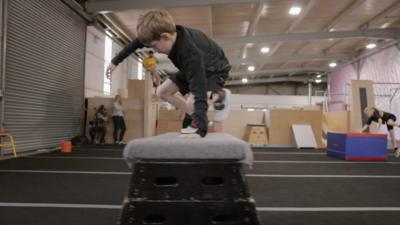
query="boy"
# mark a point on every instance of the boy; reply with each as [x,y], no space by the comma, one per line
[382,117]
[202,64]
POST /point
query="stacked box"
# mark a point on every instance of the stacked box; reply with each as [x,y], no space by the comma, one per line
[195,192]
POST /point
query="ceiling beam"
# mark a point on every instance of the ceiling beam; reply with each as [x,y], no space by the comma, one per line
[100,6]
[267,80]
[252,27]
[347,10]
[392,33]
[293,26]
[374,19]
[276,72]
[293,58]
[392,9]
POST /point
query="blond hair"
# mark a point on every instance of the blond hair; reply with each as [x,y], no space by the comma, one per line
[371,108]
[152,24]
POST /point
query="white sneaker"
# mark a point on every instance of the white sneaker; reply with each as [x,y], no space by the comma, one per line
[189,130]
[221,115]
[397,153]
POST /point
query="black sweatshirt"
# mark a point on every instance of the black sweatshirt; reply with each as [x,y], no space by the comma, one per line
[197,57]
[376,116]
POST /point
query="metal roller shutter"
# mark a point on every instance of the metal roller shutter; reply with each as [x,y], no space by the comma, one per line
[44,75]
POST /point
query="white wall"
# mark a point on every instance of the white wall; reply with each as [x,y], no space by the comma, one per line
[271,101]
[94,62]
[94,68]
[276,89]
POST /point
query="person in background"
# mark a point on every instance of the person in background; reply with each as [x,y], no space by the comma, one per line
[118,120]
[382,117]
[150,63]
[99,126]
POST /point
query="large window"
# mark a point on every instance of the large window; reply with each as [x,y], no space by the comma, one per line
[140,71]
[107,60]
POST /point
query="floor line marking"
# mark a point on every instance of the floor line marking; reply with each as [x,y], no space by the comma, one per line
[322,162]
[260,209]
[56,205]
[66,172]
[326,209]
[73,157]
[247,175]
[323,176]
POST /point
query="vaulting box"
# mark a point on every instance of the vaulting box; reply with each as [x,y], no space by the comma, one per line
[357,146]
[199,181]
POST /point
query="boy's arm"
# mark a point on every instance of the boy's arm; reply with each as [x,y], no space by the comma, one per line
[126,51]
[193,67]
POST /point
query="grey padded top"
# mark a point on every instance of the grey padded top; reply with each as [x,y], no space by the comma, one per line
[170,146]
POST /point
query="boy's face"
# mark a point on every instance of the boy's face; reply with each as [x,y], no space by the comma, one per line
[164,45]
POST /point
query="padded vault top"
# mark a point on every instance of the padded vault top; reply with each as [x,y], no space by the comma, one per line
[170,146]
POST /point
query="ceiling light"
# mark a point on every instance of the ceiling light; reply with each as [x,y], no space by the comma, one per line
[371,46]
[318,81]
[250,109]
[264,50]
[332,65]
[295,10]
[319,75]
[264,110]
[251,68]
[331,30]
[244,80]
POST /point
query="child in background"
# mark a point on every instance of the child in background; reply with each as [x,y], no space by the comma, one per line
[382,117]
[150,63]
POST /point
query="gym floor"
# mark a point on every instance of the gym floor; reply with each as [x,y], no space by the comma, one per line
[290,186]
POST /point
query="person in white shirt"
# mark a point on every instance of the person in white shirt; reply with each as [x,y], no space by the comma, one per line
[118,119]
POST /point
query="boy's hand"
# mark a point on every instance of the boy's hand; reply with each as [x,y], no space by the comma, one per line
[109,70]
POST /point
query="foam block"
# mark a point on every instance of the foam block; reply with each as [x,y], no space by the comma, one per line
[171,146]
[357,146]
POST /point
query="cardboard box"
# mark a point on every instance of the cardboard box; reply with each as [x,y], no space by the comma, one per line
[281,120]
[165,126]
[134,124]
[237,121]
[136,89]
[168,115]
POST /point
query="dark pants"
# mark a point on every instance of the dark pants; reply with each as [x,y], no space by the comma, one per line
[96,132]
[119,124]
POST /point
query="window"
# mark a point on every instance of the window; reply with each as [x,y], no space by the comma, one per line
[140,71]
[107,60]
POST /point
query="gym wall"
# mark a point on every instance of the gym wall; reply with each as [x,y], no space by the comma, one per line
[382,67]
[94,69]
[44,73]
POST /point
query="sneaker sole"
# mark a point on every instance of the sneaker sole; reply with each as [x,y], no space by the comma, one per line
[186,131]
[221,115]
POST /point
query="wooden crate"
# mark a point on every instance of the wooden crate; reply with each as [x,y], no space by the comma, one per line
[256,134]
